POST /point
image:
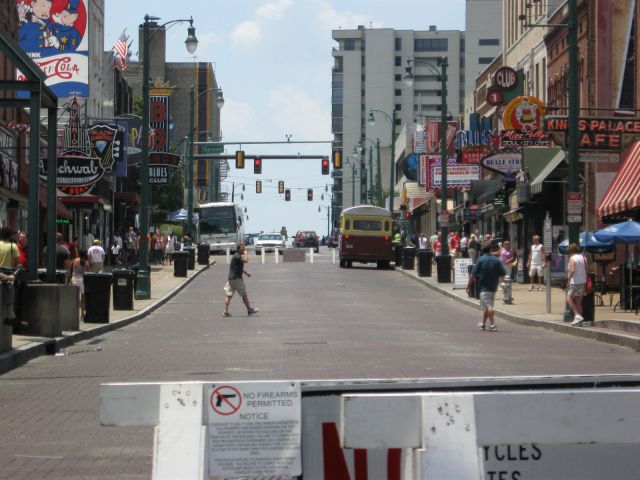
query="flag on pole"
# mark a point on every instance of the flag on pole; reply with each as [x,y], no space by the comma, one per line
[120,50]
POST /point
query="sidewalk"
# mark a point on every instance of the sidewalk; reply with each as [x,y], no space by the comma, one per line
[164,286]
[529,308]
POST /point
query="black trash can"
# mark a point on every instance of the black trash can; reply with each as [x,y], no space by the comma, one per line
[474,292]
[97,293]
[425,263]
[588,303]
[191,251]
[180,263]
[204,250]
[123,281]
[443,268]
[397,249]
[408,258]
[62,276]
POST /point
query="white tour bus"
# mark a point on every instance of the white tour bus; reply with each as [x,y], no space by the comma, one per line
[221,225]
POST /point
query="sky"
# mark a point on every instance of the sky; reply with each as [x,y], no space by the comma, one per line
[272,59]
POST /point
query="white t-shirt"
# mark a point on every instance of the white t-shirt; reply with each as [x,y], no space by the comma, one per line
[579,269]
[96,254]
[422,243]
[536,254]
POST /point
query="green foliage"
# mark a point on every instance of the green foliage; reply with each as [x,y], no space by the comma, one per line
[168,198]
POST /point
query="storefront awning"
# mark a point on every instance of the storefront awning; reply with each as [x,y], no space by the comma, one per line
[487,190]
[552,164]
[514,215]
[624,192]
[61,210]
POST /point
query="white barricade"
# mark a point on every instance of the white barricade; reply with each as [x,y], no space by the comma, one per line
[228,256]
[311,255]
[276,254]
[202,429]
[333,256]
[262,255]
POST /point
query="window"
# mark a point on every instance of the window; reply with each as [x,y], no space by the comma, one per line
[398,44]
[398,122]
[347,224]
[398,92]
[398,107]
[369,225]
[397,77]
[431,44]
[398,61]
[485,60]
[488,41]
[349,44]
[386,225]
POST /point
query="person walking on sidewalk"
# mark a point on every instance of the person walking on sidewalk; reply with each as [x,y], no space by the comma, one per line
[536,262]
[235,282]
[577,283]
[487,272]
[96,256]
[77,269]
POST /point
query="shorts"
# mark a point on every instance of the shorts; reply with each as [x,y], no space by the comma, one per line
[486,300]
[536,268]
[233,286]
[577,290]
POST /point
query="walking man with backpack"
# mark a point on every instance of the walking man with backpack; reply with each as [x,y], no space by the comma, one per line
[487,272]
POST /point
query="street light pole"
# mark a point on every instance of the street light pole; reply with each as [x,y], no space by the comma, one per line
[379,176]
[443,151]
[392,182]
[189,178]
[143,289]
[572,32]
[371,173]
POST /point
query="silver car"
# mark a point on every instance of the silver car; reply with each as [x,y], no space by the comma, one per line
[269,242]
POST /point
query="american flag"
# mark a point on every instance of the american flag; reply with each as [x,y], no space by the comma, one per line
[120,50]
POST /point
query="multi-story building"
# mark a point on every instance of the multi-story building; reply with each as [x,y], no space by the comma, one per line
[368,76]
[180,76]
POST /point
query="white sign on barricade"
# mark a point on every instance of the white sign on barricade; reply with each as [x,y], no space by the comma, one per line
[461,272]
[254,428]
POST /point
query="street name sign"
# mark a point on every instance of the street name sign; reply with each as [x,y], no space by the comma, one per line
[212,148]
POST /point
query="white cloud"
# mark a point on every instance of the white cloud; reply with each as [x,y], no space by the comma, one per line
[247,33]
[274,10]
[238,118]
[293,111]
[333,19]
[209,38]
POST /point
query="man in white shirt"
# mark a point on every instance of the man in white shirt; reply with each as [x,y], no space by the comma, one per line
[96,257]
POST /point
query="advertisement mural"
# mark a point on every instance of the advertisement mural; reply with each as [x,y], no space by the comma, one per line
[55,34]
[459,176]
[524,114]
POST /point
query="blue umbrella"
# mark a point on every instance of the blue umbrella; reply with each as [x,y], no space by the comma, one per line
[589,244]
[626,232]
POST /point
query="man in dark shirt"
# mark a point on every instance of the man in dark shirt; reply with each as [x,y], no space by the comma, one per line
[235,282]
[487,273]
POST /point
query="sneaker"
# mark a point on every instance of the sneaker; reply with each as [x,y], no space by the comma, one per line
[577,320]
[540,289]
[226,314]
[251,311]
[530,288]
[481,326]
[493,328]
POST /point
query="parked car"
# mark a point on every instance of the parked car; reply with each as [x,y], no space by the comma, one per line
[269,242]
[332,240]
[308,239]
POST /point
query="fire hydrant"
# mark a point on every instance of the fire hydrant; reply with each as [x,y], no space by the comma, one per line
[506,289]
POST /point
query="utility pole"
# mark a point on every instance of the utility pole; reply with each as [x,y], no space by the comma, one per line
[572,32]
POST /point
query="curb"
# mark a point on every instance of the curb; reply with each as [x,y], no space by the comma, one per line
[17,357]
[592,333]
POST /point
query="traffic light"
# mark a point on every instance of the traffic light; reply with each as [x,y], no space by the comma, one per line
[258,186]
[257,166]
[310,194]
[325,166]
[407,214]
[337,159]
[287,195]
[281,186]
[239,158]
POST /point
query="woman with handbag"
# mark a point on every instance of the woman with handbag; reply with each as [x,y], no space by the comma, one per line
[577,277]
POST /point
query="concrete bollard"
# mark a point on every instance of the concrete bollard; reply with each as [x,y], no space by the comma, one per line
[228,256]
[333,256]
[276,254]
[262,255]
[311,255]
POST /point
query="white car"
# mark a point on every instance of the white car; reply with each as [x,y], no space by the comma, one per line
[269,242]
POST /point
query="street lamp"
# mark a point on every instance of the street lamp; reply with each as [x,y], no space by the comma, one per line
[353,178]
[444,228]
[378,188]
[143,289]
[189,179]
[392,119]
[358,151]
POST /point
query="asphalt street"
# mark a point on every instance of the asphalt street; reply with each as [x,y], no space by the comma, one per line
[316,321]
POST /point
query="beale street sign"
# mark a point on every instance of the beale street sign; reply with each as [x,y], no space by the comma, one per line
[597,133]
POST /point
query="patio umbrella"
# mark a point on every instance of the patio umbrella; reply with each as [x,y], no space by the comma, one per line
[626,232]
[589,244]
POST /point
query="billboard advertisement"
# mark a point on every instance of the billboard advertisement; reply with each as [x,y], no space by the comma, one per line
[55,34]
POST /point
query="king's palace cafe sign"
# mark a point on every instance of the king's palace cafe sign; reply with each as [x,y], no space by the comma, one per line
[595,133]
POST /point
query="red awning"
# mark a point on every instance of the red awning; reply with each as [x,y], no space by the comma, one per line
[624,192]
[61,210]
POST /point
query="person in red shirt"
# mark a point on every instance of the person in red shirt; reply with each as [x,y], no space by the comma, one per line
[454,245]
[73,248]
[23,249]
